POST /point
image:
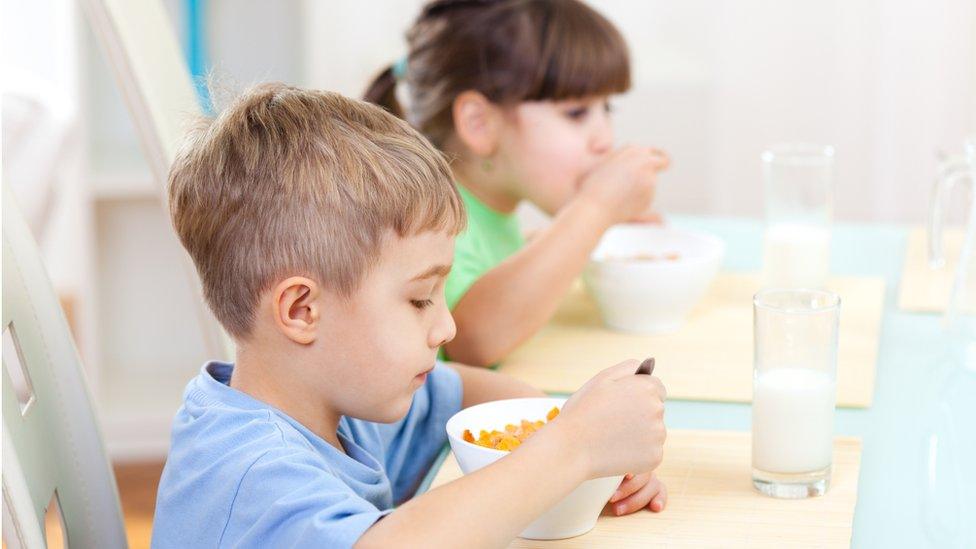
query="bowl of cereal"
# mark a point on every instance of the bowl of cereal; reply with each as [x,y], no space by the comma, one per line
[482,434]
[646,278]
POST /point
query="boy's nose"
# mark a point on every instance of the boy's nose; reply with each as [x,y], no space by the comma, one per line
[444,330]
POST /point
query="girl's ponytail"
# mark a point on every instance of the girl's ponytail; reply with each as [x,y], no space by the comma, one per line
[382,92]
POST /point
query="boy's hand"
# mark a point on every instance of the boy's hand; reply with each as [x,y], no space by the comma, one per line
[637,492]
[622,186]
[615,422]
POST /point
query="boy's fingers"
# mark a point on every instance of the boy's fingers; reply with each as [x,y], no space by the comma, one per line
[661,389]
[653,381]
[617,371]
[629,486]
[660,500]
[638,500]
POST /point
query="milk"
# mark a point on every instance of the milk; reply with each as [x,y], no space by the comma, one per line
[792,420]
[796,255]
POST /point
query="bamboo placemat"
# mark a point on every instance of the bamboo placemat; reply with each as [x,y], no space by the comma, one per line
[923,289]
[710,357]
[711,502]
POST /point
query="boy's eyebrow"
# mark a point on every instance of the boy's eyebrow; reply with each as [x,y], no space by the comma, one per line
[436,270]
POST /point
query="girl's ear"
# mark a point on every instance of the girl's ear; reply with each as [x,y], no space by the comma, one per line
[477,123]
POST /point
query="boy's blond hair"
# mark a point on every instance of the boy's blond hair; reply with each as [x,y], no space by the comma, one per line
[287,181]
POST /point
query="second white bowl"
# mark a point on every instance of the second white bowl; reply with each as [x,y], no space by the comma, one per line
[646,278]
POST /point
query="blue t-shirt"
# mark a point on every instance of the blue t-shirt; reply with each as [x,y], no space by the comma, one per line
[241,473]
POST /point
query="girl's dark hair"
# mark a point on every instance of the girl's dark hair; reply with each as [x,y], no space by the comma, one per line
[508,50]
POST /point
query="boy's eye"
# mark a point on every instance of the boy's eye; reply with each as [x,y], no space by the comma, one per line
[421,303]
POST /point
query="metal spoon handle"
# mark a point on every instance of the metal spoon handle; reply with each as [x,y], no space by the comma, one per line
[646,367]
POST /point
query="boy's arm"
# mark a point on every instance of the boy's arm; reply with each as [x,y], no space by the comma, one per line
[516,298]
[487,508]
[481,385]
[614,423]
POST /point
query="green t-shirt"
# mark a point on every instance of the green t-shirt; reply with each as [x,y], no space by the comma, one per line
[490,238]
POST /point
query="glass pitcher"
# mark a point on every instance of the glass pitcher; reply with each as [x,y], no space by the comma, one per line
[961,310]
[949,438]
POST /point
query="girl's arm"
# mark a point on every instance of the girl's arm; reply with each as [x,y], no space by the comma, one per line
[515,299]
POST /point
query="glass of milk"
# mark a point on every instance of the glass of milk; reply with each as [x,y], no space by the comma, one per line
[799,197]
[794,391]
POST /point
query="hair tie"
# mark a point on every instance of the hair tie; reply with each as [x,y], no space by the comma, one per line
[399,68]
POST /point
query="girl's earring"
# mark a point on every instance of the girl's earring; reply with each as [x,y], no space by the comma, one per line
[486,165]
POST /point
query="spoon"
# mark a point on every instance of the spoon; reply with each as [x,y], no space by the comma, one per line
[646,367]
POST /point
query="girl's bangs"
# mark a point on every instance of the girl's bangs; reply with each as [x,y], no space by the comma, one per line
[582,55]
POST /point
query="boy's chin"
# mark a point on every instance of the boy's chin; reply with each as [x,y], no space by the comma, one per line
[393,412]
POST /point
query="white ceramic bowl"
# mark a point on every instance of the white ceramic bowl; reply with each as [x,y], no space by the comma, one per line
[577,513]
[640,290]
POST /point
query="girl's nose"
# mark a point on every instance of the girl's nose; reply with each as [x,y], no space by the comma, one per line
[601,140]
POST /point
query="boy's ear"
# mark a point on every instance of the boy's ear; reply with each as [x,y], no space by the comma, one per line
[477,122]
[297,309]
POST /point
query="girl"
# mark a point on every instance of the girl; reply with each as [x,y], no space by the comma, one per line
[516,93]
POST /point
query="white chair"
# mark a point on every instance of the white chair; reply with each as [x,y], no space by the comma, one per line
[142,50]
[52,446]
[139,42]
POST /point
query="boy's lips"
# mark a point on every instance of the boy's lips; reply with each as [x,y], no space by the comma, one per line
[423,375]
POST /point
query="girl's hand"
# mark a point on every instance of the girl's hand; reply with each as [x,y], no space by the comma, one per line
[637,492]
[622,186]
[652,217]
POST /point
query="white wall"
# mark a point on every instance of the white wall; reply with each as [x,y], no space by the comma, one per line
[888,83]
[348,42]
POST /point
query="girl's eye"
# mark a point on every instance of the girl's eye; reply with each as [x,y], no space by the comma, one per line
[421,303]
[607,107]
[578,113]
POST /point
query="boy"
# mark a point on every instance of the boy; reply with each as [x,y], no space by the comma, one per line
[322,229]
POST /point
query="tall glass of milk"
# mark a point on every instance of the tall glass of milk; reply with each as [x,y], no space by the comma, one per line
[794,390]
[799,197]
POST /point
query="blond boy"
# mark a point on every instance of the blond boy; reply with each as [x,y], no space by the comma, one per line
[322,230]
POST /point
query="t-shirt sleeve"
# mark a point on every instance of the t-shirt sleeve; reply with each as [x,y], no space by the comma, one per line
[470,263]
[414,442]
[286,499]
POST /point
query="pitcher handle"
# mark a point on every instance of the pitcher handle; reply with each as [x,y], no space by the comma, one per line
[949,175]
